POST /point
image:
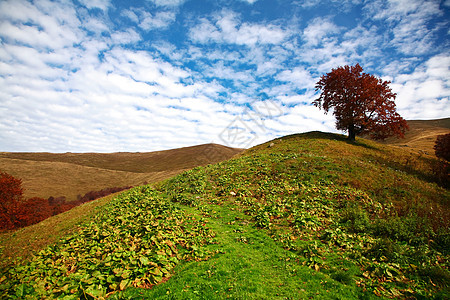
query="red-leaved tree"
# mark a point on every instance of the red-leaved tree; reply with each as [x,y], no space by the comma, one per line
[33,211]
[16,211]
[361,103]
[11,192]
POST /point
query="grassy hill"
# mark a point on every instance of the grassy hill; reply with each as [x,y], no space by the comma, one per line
[304,216]
[71,174]
[422,135]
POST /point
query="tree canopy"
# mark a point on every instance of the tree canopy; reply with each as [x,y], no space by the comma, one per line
[361,103]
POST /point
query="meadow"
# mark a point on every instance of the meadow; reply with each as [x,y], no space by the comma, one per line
[304,216]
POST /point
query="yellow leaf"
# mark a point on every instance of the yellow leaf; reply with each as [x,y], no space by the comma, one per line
[123,284]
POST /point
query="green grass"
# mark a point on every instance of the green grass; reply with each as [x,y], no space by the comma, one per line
[311,217]
[249,264]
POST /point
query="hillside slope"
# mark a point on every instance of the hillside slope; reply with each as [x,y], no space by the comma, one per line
[304,216]
[137,162]
[422,135]
[71,174]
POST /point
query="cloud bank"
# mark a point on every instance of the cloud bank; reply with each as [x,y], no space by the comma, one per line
[106,76]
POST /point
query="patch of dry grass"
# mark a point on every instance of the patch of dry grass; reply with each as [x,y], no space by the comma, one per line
[71,174]
[138,162]
[421,135]
[44,179]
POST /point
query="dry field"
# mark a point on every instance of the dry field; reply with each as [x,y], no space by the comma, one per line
[422,135]
[71,174]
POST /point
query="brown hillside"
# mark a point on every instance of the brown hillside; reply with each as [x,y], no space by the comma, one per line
[139,162]
[422,135]
[70,174]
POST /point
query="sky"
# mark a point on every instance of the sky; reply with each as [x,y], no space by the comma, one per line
[137,76]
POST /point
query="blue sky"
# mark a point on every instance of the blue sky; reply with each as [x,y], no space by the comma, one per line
[108,76]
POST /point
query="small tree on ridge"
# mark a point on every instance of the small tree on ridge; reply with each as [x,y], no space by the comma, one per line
[362,103]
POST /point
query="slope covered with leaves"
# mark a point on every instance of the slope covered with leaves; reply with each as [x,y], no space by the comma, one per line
[307,216]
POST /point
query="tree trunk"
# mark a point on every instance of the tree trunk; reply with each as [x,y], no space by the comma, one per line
[351,133]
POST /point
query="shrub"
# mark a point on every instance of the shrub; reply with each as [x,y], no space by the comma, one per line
[33,211]
[384,249]
[356,219]
[11,192]
[435,274]
[441,240]
[17,212]
[411,229]
[442,168]
[442,147]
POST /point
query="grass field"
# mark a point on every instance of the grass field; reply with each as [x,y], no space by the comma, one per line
[312,216]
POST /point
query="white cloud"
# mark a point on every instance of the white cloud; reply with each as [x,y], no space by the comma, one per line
[131,14]
[249,1]
[320,30]
[95,25]
[408,22]
[300,77]
[25,24]
[339,5]
[309,3]
[125,37]
[219,70]
[169,3]
[424,93]
[400,66]
[70,81]
[227,28]
[322,48]
[100,4]
[363,44]
[205,32]
[81,84]
[159,20]
[148,21]
[302,118]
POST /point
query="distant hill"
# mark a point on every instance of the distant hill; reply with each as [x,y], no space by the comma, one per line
[422,135]
[70,174]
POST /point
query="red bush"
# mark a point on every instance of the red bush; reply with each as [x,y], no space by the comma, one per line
[442,146]
[11,192]
[17,212]
[33,211]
